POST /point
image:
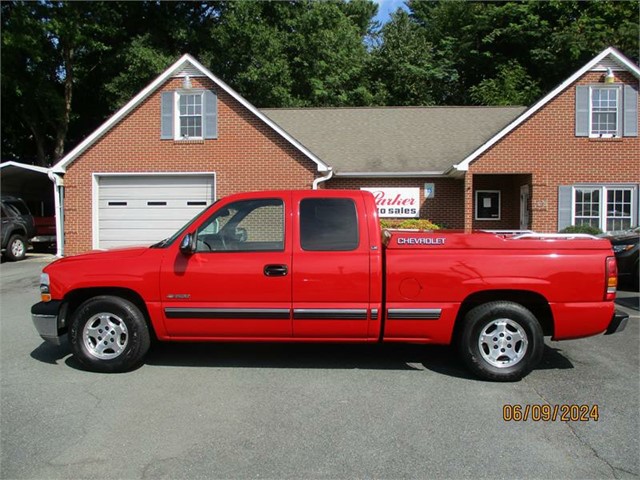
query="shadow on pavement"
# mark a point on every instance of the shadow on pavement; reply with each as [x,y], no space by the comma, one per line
[48,353]
[629,302]
[402,357]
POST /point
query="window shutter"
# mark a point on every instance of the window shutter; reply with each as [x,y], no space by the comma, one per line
[564,206]
[166,114]
[582,111]
[630,114]
[210,114]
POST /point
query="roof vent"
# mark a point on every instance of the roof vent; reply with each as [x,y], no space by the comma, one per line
[188,70]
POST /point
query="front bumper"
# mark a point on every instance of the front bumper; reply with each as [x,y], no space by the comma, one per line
[48,321]
[618,322]
[43,239]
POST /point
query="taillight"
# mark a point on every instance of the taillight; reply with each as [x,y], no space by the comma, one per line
[611,279]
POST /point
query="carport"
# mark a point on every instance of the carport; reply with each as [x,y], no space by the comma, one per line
[40,188]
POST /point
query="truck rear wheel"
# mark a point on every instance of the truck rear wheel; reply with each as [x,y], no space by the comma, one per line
[501,341]
[109,334]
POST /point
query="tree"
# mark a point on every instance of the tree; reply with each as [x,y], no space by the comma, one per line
[512,85]
[406,67]
[47,48]
[294,53]
[527,46]
[67,66]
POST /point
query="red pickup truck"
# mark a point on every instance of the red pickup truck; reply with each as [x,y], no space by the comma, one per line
[314,266]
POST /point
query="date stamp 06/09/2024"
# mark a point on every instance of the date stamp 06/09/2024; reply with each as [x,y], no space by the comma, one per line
[550,413]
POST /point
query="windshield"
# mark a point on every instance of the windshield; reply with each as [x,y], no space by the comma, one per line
[168,241]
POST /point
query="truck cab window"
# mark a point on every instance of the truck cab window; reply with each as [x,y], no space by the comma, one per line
[246,226]
[328,224]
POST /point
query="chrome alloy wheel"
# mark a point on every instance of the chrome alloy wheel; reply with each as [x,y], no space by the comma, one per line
[503,343]
[105,336]
[17,248]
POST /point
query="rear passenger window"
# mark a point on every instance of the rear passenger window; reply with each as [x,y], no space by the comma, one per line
[328,224]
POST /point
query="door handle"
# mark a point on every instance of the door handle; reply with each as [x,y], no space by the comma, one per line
[275,270]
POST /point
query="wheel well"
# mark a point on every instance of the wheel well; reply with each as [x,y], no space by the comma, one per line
[17,231]
[534,302]
[77,297]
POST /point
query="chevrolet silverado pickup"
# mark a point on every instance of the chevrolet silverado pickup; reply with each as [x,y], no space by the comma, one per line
[314,266]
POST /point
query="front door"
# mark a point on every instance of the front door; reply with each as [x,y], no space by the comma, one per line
[331,290]
[525,196]
[238,282]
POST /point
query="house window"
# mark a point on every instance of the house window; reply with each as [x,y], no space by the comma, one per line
[605,111]
[587,207]
[619,208]
[606,208]
[189,115]
[487,205]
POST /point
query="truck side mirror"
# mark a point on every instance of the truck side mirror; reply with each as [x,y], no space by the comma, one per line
[188,244]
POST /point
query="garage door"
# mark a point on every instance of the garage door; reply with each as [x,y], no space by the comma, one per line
[144,209]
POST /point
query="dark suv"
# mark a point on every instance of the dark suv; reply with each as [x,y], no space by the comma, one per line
[17,227]
[625,246]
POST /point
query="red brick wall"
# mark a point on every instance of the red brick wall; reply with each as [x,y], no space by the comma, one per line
[446,208]
[546,147]
[247,155]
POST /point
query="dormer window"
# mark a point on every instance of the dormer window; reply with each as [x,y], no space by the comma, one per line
[605,112]
[189,116]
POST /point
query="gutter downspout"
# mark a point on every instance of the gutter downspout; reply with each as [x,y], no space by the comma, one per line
[320,180]
[58,183]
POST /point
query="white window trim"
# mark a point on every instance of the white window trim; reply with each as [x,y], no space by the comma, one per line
[493,219]
[618,133]
[176,116]
[602,220]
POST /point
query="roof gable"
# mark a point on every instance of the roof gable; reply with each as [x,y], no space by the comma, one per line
[185,65]
[608,58]
[34,168]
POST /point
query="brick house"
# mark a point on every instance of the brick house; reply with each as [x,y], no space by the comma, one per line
[188,139]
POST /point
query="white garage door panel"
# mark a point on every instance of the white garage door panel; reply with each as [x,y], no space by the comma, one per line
[129,193]
[136,237]
[144,209]
[154,213]
[162,225]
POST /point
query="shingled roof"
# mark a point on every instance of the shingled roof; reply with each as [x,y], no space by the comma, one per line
[393,140]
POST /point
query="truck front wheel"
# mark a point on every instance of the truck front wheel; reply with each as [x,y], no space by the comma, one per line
[109,334]
[501,341]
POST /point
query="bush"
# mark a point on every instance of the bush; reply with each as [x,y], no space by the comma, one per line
[588,229]
[410,223]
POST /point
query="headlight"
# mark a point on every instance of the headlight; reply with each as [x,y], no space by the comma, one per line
[45,293]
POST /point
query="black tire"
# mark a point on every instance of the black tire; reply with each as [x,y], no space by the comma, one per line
[109,334]
[16,248]
[501,341]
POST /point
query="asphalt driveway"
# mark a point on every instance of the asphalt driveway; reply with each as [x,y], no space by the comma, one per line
[308,411]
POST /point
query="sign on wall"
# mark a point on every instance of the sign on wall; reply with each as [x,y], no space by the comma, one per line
[397,202]
[429,190]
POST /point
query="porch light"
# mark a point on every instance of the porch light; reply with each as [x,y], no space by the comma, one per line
[609,78]
[186,83]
